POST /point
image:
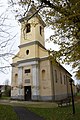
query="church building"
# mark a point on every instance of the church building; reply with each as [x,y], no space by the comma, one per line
[34,75]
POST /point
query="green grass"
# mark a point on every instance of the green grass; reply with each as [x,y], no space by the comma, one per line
[59,113]
[7,113]
[4,98]
[78,94]
[47,110]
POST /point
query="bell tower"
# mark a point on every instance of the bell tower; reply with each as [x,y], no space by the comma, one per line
[32,28]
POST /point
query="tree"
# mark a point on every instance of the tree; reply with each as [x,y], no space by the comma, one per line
[64,17]
[7,91]
[7,39]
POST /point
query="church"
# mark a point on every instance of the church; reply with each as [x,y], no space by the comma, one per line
[34,75]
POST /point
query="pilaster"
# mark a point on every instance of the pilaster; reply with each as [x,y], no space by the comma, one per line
[20,83]
[35,82]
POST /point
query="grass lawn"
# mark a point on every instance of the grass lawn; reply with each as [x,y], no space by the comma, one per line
[59,113]
[49,111]
[7,113]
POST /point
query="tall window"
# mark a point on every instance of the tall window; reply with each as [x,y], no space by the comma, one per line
[55,76]
[43,74]
[64,79]
[40,30]
[28,28]
[61,77]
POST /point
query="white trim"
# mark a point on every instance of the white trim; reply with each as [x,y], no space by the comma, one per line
[28,63]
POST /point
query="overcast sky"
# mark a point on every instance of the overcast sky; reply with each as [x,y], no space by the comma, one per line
[12,45]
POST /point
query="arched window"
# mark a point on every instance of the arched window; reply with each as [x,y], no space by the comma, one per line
[40,30]
[56,76]
[28,28]
[64,79]
[16,78]
[61,77]
[43,75]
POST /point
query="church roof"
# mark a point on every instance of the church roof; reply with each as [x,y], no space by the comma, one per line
[33,12]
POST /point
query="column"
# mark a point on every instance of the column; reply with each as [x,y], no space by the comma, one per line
[20,83]
[35,82]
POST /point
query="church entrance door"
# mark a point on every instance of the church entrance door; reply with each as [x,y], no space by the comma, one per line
[27,93]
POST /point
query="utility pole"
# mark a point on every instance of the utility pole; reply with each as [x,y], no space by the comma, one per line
[73,106]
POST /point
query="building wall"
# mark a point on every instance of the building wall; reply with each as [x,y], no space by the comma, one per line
[61,82]
[45,81]
[35,51]
[42,80]
[14,81]
[74,89]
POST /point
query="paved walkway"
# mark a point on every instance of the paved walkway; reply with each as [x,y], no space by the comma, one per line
[25,114]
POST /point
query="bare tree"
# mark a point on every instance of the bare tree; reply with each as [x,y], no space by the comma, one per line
[7,36]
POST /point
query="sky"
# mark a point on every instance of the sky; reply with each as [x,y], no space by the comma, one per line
[15,43]
[13,28]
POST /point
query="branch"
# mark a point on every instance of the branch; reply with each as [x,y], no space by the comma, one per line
[27,8]
[5,67]
[6,54]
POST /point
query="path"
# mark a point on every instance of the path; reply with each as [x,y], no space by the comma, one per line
[25,114]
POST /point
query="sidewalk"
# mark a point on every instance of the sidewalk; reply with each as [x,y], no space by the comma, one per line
[29,103]
[25,114]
